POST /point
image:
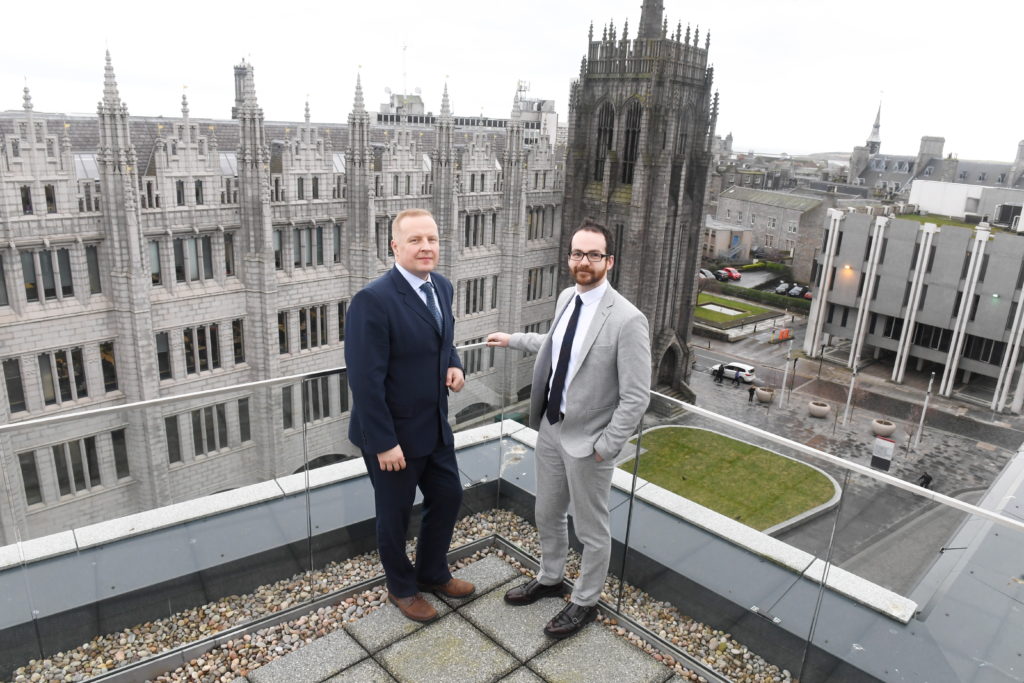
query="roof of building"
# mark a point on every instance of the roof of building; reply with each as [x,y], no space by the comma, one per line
[780,199]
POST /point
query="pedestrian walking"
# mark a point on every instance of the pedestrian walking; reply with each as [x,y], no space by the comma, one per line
[736,379]
[750,394]
[719,373]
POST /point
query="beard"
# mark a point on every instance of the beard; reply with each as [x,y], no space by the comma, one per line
[584,275]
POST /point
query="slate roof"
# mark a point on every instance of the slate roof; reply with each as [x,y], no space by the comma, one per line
[780,199]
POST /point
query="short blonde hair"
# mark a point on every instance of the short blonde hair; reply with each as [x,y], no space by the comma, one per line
[407,213]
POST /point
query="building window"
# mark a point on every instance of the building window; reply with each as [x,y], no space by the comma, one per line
[312,326]
[77,465]
[287,419]
[278,258]
[631,143]
[92,262]
[337,243]
[179,192]
[229,254]
[316,187]
[605,129]
[163,355]
[473,293]
[306,242]
[109,364]
[15,389]
[26,200]
[238,339]
[244,428]
[119,445]
[343,392]
[30,478]
[342,312]
[199,193]
[4,300]
[209,429]
[540,282]
[301,188]
[984,350]
[51,199]
[282,331]
[187,251]
[62,374]
[202,348]
[154,262]
[478,359]
[173,440]
[316,399]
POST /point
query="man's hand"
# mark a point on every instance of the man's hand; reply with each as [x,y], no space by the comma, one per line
[597,457]
[455,379]
[498,339]
[392,459]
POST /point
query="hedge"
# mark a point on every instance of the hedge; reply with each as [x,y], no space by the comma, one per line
[771,298]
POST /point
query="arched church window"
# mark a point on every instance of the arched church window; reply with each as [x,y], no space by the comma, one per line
[605,128]
[631,141]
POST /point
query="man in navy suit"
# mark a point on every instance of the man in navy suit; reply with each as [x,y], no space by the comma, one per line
[401,364]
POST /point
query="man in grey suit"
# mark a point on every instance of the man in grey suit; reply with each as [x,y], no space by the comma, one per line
[591,385]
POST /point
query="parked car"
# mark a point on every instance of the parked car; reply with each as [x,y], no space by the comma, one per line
[721,276]
[799,290]
[783,287]
[746,371]
[732,273]
[704,272]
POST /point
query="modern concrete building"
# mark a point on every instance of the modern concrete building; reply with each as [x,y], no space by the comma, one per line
[925,296]
[147,257]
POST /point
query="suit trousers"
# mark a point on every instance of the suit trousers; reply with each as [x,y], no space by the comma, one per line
[437,477]
[585,483]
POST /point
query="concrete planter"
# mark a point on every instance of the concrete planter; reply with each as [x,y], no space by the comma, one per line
[764,394]
[818,409]
[880,427]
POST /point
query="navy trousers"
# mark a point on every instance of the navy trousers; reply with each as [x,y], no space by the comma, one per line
[437,477]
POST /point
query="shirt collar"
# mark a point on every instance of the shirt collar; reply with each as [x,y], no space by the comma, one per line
[594,295]
[414,281]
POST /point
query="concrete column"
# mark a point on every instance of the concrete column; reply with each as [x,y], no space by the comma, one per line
[863,309]
[928,230]
[981,236]
[816,319]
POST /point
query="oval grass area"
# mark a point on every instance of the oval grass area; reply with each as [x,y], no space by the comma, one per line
[743,482]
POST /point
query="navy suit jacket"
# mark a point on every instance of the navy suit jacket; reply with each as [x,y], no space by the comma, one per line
[397,364]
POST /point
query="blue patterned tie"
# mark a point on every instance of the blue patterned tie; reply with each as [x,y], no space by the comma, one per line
[428,290]
[554,409]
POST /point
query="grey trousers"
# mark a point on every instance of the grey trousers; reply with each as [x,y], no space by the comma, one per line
[587,483]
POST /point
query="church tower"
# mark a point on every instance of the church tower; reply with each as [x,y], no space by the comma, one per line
[874,142]
[641,121]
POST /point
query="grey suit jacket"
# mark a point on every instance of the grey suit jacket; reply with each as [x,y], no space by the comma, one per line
[609,388]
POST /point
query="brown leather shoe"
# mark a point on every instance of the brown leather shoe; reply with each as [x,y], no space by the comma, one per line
[414,607]
[454,588]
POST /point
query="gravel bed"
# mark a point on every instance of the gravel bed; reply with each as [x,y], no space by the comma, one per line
[716,649]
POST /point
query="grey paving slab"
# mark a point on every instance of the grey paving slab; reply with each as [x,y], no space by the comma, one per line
[450,649]
[383,627]
[597,656]
[485,574]
[518,629]
[522,675]
[366,671]
[313,662]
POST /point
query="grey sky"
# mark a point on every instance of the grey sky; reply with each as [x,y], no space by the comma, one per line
[793,75]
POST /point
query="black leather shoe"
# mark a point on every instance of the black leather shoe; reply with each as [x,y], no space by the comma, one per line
[570,620]
[532,591]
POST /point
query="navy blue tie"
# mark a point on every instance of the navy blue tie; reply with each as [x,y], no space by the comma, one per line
[428,289]
[562,369]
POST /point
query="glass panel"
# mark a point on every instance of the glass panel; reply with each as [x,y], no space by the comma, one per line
[215,345]
[163,355]
[91,461]
[179,260]
[60,463]
[222,425]
[117,438]
[229,254]
[297,247]
[75,449]
[192,251]
[244,433]
[30,478]
[207,258]
[204,362]
[286,407]
[238,340]
[92,261]
[109,364]
[4,300]
[173,443]
[61,362]
[211,433]
[197,432]
[319,246]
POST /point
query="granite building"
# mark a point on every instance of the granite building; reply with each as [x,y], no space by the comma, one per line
[641,123]
[147,257]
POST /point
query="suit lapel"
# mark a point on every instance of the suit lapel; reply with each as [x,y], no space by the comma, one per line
[600,318]
[412,299]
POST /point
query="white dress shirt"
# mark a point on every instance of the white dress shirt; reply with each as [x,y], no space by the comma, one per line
[415,281]
[591,299]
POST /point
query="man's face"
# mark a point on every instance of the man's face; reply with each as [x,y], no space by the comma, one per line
[587,274]
[416,245]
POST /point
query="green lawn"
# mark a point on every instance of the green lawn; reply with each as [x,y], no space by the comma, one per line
[749,484]
[715,316]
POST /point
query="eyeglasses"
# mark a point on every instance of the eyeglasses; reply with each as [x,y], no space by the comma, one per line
[592,256]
